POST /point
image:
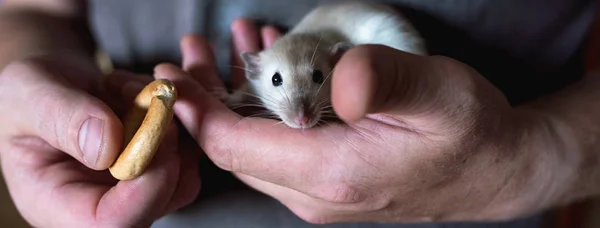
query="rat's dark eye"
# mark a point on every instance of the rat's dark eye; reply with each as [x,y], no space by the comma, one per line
[276,79]
[317,76]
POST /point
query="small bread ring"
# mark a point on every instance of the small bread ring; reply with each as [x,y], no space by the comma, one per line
[145,127]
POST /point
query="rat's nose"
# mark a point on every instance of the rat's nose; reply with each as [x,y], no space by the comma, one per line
[302,119]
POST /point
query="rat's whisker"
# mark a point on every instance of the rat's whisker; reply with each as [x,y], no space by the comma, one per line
[267,115]
[247,105]
[286,97]
[327,112]
[242,68]
[328,116]
[275,124]
[319,106]
[328,108]
[265,100]
[274,105]
[324,104]
[318,124]
[323,123]
[327,77]
[315,51]
[254,95]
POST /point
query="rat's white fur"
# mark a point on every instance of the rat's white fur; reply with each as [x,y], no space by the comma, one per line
[364,23]
[316,43]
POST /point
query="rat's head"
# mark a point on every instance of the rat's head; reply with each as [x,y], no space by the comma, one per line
[293,77]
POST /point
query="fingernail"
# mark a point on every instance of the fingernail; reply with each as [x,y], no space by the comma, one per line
[90,137]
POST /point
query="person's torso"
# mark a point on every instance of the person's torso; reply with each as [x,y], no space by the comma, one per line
[525,47]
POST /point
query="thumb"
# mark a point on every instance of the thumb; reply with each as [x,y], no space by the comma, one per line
[372,79]
[68,119]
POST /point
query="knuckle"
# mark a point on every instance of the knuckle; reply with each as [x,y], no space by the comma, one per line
[59,116]
[17,70]
[354,198]
[442,60]
[460,84]
[343,193]
[47,106]
[220,155]
[18,81]
[446,64]
[219,144]
[26,64]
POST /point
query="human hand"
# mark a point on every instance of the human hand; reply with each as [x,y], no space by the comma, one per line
[55,167]
[425,138]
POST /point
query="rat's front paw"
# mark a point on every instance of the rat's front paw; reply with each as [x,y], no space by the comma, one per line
[230,100]
[236,99]
[220,93]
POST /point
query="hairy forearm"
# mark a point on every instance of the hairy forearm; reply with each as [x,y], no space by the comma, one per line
[566,142]
[30,27]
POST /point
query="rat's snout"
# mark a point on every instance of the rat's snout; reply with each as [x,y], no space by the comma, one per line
[303,115]
[302,119]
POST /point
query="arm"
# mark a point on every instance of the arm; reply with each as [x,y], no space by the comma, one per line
[570,119]
[31,27]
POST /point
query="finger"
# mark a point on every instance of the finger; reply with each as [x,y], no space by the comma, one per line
[199,61]
[144,199]
[269,35]
[378,79]
[70,120]
[126,85]
[310,209]
[80,196]
[259,147]
[189,177]
[119,80]
[245,39]
[293,200]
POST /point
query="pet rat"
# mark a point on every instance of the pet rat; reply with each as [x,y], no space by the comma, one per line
[291,78]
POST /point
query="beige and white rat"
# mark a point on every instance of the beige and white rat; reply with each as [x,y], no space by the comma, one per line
[291,78]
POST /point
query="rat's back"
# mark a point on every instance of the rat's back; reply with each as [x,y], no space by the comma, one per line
[364,23]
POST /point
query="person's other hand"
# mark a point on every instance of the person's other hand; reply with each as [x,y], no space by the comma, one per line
[58,138]
[424,139]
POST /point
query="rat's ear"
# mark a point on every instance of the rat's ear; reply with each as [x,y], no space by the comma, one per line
[341,47]
[252,64]
[337,50]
